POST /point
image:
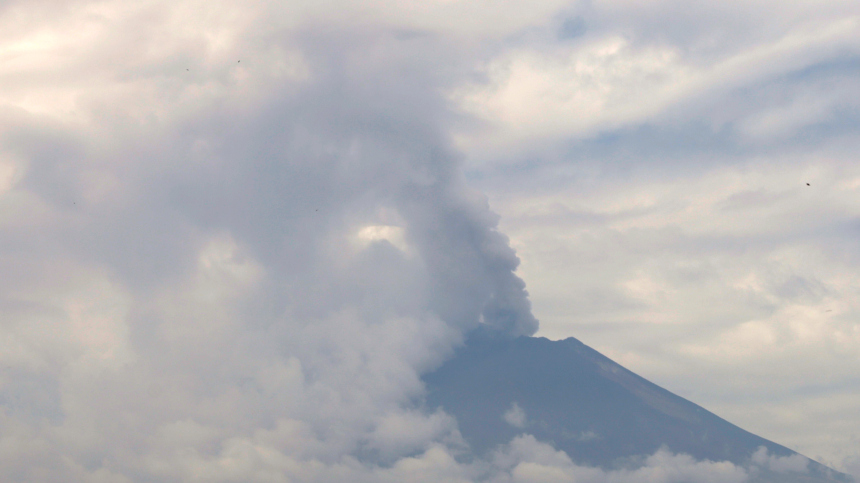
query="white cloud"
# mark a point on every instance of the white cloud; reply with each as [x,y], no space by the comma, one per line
[579,91]
[233,236]
[391,234]
[742,273]
[545,93]
[780,464]
[528,460]
[183,185]
[515,416]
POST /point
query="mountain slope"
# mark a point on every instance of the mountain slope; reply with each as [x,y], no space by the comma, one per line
[567,394]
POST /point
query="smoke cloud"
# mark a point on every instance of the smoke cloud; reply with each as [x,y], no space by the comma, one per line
[231,243]
[232,239]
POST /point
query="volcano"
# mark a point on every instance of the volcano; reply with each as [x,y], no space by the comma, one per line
[569,395]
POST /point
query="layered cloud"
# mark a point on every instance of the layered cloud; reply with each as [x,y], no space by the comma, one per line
[232,240]
[233,237]
[680,182]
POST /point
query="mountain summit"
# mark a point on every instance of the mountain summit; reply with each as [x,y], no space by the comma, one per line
[599,413]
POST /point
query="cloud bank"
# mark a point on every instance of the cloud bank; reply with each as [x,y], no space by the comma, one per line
[650,164]
[232,236]
[232,239]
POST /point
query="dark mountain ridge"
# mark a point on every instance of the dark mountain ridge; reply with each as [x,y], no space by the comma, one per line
[599,413]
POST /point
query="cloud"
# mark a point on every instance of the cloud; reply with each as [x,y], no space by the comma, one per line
[780,464]
[651,173]
[526,460]
[515,416]
[232,241]
[234,236]
[705,66]
[734,272]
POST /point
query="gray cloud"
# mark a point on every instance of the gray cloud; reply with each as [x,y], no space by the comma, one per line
[230,251]
[664,217]
[233,237]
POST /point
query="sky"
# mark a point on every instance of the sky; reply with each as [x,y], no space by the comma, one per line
[233,235]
